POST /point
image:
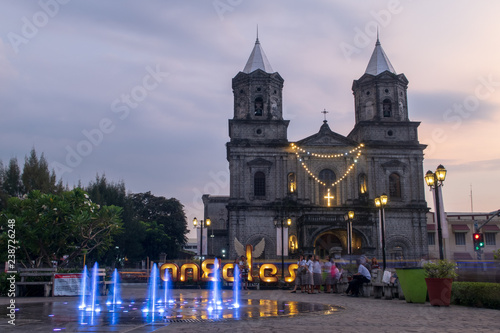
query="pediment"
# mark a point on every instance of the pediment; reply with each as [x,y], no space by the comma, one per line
[326,137]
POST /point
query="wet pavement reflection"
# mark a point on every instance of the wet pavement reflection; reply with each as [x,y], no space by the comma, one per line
[66,317]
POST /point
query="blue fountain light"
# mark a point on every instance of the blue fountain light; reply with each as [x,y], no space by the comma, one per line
[94,306]
[83,289]
[236,286]
[114,297]
[151,305]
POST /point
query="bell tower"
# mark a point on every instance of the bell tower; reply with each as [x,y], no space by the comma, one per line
[380,103]
[258,102]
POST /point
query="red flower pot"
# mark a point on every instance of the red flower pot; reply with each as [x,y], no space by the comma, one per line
[439,291]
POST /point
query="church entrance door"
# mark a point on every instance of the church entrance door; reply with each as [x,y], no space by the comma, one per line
[329,242]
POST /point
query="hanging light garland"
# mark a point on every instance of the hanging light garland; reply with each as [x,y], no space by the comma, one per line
[356,150]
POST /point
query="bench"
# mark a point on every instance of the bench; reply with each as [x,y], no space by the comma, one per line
[388,290]
[46,273]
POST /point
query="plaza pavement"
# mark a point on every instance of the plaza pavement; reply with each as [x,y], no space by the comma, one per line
[361,314]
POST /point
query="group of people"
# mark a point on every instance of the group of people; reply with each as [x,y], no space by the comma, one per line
[309,277]
[312,274]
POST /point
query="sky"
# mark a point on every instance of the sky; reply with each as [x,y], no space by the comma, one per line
[141,90]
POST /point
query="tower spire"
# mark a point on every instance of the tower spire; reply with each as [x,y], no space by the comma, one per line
[379,62]
[257,59]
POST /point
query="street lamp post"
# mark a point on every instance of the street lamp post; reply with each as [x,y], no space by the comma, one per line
[202,224]
[380,203]
[434,180]
[349,217]
[288,224]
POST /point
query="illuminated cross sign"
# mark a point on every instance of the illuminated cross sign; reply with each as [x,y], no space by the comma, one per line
[328,198]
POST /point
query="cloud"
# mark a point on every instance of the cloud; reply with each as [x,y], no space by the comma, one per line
[450,107]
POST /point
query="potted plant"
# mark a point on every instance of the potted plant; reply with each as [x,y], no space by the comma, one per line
[439,278]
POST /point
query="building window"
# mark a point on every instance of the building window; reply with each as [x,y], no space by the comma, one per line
[431,238]
[363,184]
[460,238]
[387,108]
[489,238]
[259,184]
[292,182]
[394,186]
[259,105]
[326,192]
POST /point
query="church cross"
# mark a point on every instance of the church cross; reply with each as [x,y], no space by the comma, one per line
[329,197]
[324,112]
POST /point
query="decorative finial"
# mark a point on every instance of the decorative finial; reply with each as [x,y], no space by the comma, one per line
[257,41]
[378,41]
[324,112]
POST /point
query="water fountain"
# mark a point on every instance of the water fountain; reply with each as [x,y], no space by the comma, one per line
[236,286]
[151,304]
[114,296]
[94,305]
[83,289]
[167,285]
[90,303]
[215,303]
[160,308]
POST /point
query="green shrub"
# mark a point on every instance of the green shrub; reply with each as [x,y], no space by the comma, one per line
[442,269]
[496,254]
[478,294]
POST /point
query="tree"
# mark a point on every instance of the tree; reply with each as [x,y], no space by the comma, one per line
[52,227]
[36,175]
[129,243]
[159,213]
[12,184]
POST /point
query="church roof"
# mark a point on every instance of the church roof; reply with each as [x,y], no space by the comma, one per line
[379,62]
[326,137]
[257,60]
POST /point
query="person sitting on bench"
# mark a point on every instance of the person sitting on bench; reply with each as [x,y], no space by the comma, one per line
[362,276]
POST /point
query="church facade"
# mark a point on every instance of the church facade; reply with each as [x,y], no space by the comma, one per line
[308,186]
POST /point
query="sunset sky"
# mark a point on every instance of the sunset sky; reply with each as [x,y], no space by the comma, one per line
[141,90]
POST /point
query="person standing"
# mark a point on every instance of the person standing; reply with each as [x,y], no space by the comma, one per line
[303,274]
[244,272]
[336,274]
[317,274]
[327,271]
[309,275]
[298,275]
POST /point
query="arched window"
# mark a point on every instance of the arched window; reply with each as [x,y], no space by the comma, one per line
[292,183]
[363,184]
[326,192]
[387,108]
[394,185]
[259,184]
[258,106]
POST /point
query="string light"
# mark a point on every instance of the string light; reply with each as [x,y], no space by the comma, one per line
[356,150]
[298,149]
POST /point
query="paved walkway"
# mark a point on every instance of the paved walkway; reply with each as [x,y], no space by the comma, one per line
[355,315]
